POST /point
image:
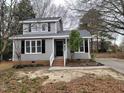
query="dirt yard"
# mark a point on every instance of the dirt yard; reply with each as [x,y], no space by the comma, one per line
[41,80]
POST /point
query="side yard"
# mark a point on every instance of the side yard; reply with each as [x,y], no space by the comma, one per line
[119,55]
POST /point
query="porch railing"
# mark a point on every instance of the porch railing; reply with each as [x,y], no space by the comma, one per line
[51,59]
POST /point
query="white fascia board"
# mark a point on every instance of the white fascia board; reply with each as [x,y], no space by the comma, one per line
[32,37]
[86,37]
[64,36]
[42,21]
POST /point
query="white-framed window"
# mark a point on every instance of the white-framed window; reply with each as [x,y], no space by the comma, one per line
[33,46]
[27,46]
[82,47]
[33,27]
[44,26]
[39,46]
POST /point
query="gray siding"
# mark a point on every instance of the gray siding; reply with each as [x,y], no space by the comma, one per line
[38,30]
[34,57]
[78,55]
[16,48]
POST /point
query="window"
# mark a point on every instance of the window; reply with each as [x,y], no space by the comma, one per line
[44,26]
[34,27]
[81,49]
[27,46]
[33,46]
[38,46]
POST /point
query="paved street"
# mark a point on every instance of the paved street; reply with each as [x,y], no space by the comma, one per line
[117,64]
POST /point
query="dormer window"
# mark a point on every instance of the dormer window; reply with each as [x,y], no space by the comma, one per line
[44,26]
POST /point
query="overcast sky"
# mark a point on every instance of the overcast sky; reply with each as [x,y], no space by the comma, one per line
[59,2]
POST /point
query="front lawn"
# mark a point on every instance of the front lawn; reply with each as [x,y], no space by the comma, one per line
[41,80]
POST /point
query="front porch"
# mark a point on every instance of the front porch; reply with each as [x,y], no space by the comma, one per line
[59,52]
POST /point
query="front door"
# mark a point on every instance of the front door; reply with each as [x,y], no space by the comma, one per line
[59,48]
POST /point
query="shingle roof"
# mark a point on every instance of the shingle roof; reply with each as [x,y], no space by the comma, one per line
[83,33]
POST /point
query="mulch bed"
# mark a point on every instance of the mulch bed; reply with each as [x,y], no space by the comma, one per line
[80,63]
[86,84]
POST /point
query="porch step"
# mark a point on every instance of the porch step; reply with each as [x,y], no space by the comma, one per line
[59,61]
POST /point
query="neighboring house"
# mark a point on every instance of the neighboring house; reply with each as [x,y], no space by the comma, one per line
[44,39]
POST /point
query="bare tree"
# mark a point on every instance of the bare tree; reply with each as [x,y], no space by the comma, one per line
[6,22]
[112,11]
[46,8]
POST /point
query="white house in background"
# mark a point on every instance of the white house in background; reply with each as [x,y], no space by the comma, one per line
[44,39]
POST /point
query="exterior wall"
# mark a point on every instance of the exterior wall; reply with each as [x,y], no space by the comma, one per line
[16,48]
[35,57]
[53,27]
[80,55]
[48,51]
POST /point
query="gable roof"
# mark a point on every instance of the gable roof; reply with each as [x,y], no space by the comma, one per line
[60,34]
[45,19]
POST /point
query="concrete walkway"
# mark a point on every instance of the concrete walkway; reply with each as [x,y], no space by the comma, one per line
[116,64]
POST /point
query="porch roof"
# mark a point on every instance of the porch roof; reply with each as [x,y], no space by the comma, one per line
[60,34]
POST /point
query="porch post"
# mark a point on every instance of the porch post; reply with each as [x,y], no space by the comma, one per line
[53,46]
[13,51]
[65,51]
[89,48]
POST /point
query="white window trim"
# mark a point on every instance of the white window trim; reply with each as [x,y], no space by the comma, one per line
[83,48]
[45,27]
[35,46]
[36,29]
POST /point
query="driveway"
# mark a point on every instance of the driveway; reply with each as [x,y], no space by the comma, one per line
[117,64]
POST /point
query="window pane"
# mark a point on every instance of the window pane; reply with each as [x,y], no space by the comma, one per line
[27,46]
[82,47]
[38,49]
[38,43]
[33,49]
[43,27]
[27,43]
[33,43]
[38,46]
[33,46]
[27,49]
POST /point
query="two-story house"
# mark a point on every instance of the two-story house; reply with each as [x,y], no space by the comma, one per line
[44,39]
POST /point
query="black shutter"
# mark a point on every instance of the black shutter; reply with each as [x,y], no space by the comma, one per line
[22,47]
[29,27]
[49,27]
[43,46]
[86,45]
